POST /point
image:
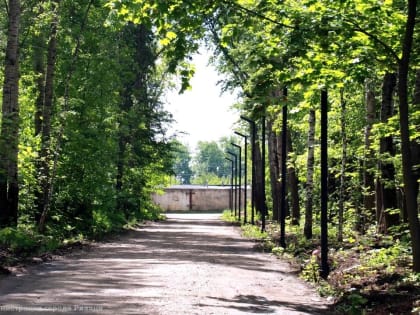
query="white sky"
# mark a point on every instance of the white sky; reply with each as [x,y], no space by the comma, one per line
[202,112]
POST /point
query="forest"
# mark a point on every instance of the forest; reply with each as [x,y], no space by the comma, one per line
[83,134]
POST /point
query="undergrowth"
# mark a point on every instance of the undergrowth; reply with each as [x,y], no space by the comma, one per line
[17,243]
[370,273]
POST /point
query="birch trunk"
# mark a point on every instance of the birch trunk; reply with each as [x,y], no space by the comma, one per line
[9,134]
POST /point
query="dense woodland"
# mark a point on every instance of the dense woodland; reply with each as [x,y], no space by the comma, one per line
[83,131]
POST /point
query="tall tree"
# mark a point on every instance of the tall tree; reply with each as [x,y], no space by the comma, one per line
[39,69]
[310,176]
[386,195]
[274,167]
[293,183]
[49,164]
[209,163]
[367,168]
[342,196]
[260,201]
[182,160]
[46,98]
[9,133]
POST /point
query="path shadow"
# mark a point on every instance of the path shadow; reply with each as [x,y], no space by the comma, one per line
[252,304]
[114,274]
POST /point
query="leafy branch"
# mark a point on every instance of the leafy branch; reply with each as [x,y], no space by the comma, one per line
[259,15]
[375,38]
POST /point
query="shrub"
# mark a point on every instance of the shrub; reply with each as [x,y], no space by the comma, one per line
[18,240]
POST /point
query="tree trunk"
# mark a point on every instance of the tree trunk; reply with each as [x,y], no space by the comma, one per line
[417,88]
[259,193]
[39,69]
[122,142]
[293,184]
[9,135]
[273,157]
[310,176]
[44,171]
[38,58]
[415,144]
[343,168]
[134,99]
[368,177]
[386,192]
[408,178]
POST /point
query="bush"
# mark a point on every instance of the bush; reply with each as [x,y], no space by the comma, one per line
[18,240]
[106,222]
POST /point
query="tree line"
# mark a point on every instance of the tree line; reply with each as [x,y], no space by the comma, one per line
[207,166]
[82,139]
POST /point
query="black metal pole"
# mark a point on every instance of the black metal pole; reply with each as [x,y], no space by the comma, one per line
[245,173]
[283,172]
[253,139]
[324,185]
[236,179]
[264,207]
[231,185]
[240,179]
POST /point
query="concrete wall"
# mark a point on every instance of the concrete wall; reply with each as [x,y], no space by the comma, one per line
[194,198]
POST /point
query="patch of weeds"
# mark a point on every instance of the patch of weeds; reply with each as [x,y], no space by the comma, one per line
[352,303]
[253,232]
[19,240]
[386,259]
[278,250]
[50,243]
[228,216]
[262,238]
[412,278]
[310,271]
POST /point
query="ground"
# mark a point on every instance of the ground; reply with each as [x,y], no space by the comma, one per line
[188,264]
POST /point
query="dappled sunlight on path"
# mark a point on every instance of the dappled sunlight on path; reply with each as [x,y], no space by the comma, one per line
[189,264]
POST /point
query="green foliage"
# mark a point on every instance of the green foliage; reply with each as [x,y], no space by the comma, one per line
[310,272]
[253,232]
[386,259]
[24,241]
[210,158]
[18,240]
[228,216]
[181,167]
[352,304]
[210,165]
[105,223]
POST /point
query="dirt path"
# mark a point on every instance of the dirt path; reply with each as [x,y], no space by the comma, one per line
[190,264]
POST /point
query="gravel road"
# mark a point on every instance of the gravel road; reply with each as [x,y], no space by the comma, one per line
[188,264]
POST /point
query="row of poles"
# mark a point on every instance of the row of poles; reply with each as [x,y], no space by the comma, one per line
[236,176]
[236,167]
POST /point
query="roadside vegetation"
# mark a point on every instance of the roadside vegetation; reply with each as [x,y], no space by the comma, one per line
[370,274]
